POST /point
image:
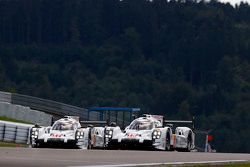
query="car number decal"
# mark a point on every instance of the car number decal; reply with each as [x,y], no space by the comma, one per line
[57,135]
[131,135]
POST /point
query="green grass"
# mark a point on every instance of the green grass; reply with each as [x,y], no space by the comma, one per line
[13,120]
[7,144]
[226,165]
[207,165]
[238,165]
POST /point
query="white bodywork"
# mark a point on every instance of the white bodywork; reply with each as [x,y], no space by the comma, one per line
[68,131]
[180,138]
[64,132]
[99,136]
[148,131]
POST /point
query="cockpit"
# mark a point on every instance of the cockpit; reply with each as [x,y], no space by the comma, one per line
[141,125]
[63,126]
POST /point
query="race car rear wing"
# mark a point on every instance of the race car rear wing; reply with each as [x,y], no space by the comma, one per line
[102,123]
[91,123]
[180,122]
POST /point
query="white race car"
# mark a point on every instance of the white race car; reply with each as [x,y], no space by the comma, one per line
[65,132]
[148,131]
[99,136]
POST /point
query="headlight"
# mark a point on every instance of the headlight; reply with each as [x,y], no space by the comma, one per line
[156,135]
[109,134]
[34,134]
[79,135]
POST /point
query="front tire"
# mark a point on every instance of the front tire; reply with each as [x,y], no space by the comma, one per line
[80,146]
[36,145]
[168,145]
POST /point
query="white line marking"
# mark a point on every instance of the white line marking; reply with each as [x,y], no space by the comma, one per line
[167,163]
[47,159]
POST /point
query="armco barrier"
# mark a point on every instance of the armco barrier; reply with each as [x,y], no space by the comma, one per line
[14,132]
[5,97]
[53,107]
[48,106]
[24,113]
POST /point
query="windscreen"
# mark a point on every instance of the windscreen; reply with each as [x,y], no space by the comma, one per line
[141,125]
[63,126]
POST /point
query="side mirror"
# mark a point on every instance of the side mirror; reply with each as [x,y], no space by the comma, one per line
[113,124]
[157,126]
[48,129]
[170,125]
[37,126]
[90,126]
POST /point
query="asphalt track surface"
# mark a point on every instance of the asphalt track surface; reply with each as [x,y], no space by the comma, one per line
[33,157]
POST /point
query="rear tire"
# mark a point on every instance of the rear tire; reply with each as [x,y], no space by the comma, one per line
[189,142]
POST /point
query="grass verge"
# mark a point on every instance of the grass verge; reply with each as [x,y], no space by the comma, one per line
[7,144]
[2,118]
[205,165]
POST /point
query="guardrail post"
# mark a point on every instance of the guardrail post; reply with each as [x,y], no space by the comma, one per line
[4,126]
[15,135]
[29,133]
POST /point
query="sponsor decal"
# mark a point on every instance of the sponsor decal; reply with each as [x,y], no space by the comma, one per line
[56,135]
[132,135]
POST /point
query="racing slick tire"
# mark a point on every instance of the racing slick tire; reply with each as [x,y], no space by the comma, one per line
[189,142]
[168,145]
[36,145]
[80,146]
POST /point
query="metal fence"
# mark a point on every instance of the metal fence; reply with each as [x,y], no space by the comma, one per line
[47,106]
[5,97]
[19,133]
[56,108]
[14,132]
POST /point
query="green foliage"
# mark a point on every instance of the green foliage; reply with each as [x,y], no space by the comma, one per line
[176,58]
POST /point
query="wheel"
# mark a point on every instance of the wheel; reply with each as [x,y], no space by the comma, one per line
[90,146]
[36,145]
[188,149]
[80,146]
[168,145]
[189,142]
